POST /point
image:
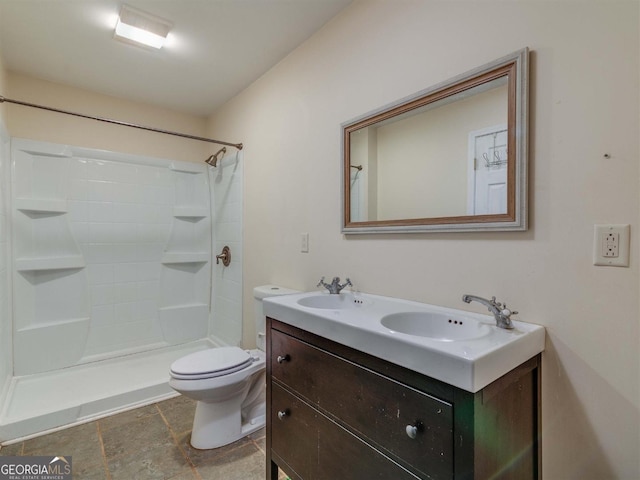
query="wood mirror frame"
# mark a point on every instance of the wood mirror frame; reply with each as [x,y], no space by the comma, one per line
[515,68]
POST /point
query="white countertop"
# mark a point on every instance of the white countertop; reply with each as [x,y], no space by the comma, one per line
[470,364]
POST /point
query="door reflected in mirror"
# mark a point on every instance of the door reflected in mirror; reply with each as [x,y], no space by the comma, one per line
[448,159]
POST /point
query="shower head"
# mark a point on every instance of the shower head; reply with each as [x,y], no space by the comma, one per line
[213,159]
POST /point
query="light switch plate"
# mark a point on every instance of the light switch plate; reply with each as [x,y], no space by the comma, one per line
[611,245]
[304,242]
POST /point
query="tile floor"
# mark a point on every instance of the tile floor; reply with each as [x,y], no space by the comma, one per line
[148,443]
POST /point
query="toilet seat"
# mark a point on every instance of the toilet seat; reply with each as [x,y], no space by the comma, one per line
[211,363]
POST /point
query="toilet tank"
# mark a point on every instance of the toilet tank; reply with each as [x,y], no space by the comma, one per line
[259,293]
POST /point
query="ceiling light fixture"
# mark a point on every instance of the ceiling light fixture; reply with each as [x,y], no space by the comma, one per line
[141,28]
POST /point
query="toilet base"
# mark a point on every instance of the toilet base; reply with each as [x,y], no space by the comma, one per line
[219,424]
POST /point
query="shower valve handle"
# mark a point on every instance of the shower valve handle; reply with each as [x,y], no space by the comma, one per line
[225,256]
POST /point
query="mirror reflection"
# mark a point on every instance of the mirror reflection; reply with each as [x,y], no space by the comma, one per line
[451,156]
[446,159]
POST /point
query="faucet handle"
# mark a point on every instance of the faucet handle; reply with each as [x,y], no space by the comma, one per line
[321,282]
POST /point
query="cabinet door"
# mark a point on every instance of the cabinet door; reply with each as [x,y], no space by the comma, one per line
[369,404]
[316,448]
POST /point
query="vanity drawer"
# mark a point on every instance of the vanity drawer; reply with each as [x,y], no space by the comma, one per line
[371,405]
[318,449]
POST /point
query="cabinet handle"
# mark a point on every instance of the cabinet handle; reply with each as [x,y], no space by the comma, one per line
[412,430]
[282,414]
[283,358]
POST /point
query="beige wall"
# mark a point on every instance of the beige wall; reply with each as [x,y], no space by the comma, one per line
[35,124]
[584,103]
[3,85]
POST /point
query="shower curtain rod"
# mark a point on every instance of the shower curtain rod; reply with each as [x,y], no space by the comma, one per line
[118,122]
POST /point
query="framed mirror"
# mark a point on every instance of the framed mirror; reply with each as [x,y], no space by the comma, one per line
[450,158]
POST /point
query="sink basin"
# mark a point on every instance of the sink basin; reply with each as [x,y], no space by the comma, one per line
[341,301]
[437,326]
[469,354]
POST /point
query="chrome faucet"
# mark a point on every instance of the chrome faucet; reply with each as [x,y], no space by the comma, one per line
[501,313]
[334,287]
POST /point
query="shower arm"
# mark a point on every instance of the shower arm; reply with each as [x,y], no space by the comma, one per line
[118,122]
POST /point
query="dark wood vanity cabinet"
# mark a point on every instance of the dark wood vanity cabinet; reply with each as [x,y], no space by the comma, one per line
[334,413]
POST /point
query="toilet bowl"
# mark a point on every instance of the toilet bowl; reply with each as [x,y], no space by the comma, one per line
[228,384]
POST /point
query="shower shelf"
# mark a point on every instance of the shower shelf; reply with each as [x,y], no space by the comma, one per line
[43,205]
[49,263]
[185,257]
[190,212]
[184,306]
[55,323]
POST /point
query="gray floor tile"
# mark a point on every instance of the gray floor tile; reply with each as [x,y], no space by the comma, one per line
[185,476]
[121,419]
[261,443]
[82,443]
[69,437]
[11,450]
[136,436]
[180,400]
[243,463]
[138,445]
[260,439]
[179,414]
[93,473]
[160,462]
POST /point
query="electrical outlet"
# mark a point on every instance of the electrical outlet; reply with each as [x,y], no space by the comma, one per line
[304,242]
[611,245]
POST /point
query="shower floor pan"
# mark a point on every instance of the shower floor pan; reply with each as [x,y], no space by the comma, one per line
[45,402]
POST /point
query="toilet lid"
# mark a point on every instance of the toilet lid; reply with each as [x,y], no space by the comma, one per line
[213,362]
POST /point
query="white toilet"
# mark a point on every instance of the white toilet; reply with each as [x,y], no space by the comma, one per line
[228,383]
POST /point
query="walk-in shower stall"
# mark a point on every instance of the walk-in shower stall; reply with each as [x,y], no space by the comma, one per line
[107,261]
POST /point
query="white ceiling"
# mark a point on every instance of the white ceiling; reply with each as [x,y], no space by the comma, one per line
[216,47]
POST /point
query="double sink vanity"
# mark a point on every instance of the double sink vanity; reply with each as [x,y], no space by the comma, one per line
[362,386]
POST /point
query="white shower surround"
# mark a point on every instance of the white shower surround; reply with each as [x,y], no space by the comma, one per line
[111,254]
[227,194]
[112,275]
